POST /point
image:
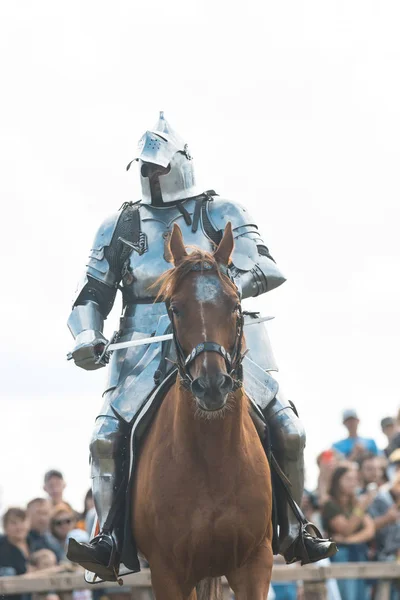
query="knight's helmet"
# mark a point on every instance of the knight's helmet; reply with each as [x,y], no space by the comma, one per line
[162,146]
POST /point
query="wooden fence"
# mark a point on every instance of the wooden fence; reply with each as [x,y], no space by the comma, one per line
[313,576]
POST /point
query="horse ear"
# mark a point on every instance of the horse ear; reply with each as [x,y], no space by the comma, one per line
[176,245]
[225,248]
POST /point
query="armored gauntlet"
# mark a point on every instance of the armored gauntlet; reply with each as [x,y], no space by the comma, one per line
[86,325]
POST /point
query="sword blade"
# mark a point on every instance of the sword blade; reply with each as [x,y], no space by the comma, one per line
[168,336]
[141,342]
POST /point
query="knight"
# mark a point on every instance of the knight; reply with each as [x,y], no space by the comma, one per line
[129,253]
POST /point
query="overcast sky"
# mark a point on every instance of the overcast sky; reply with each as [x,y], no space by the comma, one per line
[290,107]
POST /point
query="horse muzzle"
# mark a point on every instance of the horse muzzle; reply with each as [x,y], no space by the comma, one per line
[211,392]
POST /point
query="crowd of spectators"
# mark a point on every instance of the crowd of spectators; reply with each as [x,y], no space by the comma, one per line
[35,537]
[356,503]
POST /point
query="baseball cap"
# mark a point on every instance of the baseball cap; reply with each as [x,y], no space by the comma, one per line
[387,421]
[349,414]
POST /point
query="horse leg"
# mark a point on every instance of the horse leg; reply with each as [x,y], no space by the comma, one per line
[166,585]
[251,581]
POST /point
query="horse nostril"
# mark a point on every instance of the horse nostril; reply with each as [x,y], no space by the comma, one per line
[225,383]
[198,388]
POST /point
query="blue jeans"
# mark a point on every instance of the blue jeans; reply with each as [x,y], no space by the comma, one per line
[351,589]
[285,591]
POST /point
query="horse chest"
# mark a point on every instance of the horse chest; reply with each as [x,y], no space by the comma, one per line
[211,520]
[218,535]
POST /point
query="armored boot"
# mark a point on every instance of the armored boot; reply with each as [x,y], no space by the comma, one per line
[299,540]
[102,554]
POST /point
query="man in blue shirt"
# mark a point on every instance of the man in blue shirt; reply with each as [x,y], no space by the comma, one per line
[354,447]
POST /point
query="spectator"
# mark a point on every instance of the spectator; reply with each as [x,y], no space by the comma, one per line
[394,463]
[385,512]
[309,505]
[63,520]
[345,519]
[39,537]
[54,486]
[14,548]
[354,447]
[311,508]
[386,515]
[388,427]
[394,441]
[370,473]
[327,462]
[43,559]
[91,519]
[88,506]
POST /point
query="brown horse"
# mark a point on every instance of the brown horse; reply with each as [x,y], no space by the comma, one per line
[202,495]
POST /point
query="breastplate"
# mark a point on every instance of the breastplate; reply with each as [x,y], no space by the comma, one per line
[144,270]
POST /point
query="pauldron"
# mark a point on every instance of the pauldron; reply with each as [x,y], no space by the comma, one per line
[253,267]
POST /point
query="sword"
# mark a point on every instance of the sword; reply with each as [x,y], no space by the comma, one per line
[152,340]
[167,336]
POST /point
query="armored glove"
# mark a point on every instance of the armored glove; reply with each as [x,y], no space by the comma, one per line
[89,346]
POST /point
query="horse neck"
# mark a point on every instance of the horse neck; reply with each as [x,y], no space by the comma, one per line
[213,438]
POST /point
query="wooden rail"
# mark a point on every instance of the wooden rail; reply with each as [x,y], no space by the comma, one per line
[313,576]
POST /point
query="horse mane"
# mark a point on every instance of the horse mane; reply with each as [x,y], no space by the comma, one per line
[170,280]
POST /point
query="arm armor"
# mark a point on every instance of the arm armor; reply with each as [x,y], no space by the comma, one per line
[95,294]
[253,268]
[85,317]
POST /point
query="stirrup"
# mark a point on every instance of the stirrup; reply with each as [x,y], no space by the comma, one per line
[109,539]
[85,555]
[301,548]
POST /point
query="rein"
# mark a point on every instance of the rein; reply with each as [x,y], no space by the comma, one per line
[233,359]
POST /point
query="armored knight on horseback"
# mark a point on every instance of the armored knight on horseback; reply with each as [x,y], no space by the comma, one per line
[130,252]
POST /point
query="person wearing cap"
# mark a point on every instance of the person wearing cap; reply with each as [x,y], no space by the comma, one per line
[354,447]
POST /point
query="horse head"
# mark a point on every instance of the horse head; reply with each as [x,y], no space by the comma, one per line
[204,307]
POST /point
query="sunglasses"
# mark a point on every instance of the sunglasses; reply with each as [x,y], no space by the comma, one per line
[59,522]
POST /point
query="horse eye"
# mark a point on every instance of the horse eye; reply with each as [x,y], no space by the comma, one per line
[235,308]
[174,310]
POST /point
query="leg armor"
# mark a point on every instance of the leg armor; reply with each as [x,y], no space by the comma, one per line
[107,453]
[298,538]
[108,449]
[288,441]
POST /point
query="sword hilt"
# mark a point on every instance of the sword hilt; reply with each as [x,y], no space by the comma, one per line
[105,355]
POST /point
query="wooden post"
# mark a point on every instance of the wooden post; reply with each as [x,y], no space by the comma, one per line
[383,590]
[315,590]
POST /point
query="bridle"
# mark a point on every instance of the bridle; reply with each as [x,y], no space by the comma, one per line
[233,359]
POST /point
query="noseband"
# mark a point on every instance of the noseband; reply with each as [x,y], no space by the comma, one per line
[233,360]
